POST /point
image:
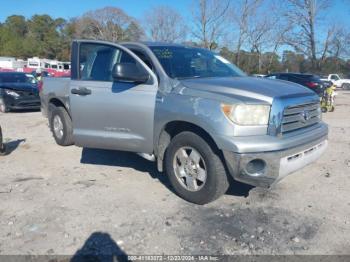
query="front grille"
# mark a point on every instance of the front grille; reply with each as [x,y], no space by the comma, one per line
[27,93]
[300,116]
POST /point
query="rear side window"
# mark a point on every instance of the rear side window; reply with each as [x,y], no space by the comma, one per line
[284,77]
[96,61]
[314,78]
[309,78]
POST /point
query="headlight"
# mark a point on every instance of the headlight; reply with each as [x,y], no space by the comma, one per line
[247,115]
[12,93]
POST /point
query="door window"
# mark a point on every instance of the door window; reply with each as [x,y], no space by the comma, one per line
[334,77]
[144,58]
[96,61]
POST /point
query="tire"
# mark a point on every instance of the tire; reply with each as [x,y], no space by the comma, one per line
[216,181]
[345,86]
[2,145]
[3,106]
[61,126]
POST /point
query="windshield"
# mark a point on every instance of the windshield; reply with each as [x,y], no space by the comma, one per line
[17,78]
[31,79]
[185,62]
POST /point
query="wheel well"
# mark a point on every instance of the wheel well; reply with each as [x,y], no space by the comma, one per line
[57,103]
[174,128]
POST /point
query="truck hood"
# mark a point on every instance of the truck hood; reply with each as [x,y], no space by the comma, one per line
[250,87]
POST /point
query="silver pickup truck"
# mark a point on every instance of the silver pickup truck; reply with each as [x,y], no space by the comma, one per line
[193,112]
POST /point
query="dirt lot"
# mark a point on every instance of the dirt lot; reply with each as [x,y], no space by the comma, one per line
[57,200]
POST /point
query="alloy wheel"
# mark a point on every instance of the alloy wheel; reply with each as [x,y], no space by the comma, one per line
[190,168]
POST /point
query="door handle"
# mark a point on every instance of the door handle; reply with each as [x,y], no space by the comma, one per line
[81,91]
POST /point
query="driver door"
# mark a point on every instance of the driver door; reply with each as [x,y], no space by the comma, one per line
[110,114]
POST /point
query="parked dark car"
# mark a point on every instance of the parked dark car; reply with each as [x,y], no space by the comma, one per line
[18,91]
[310,81]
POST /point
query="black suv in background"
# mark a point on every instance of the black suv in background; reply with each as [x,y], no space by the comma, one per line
[310,81]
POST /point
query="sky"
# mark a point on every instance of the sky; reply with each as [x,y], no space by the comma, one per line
[71,8]
[339,9]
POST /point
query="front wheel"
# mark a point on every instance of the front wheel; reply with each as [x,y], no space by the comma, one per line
[195,171]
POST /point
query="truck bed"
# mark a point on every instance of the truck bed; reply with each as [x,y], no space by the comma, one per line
[54,88]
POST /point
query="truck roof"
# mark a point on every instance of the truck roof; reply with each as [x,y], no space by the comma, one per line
[145,43]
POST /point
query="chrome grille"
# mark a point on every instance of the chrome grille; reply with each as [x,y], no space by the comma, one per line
[300,116]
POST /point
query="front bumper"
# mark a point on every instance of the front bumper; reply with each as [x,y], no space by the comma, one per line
[22,102]
[266,168]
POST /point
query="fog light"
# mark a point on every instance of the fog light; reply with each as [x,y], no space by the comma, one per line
[255,167]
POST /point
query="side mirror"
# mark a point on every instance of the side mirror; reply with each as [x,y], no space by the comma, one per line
[130,72]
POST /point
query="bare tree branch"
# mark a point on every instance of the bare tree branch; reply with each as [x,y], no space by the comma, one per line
[165,24]
[108,23]
[209,17]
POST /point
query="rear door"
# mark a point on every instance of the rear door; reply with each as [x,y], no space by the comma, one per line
[110,114]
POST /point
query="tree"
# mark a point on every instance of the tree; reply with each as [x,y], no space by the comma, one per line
[304,14]
[109,23]
[209,17]
[12,34]
[165,24]
[240,15]
[134,32]
[17,25]
[293,62]
[44,30]
[259,36]
[339,42]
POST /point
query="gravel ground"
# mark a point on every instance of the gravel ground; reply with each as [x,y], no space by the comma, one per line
[69,200]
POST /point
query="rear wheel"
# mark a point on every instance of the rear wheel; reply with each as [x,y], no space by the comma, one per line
[195,171]
[61,126]
[346,86]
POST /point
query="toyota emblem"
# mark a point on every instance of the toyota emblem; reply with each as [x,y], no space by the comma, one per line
[305,116]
